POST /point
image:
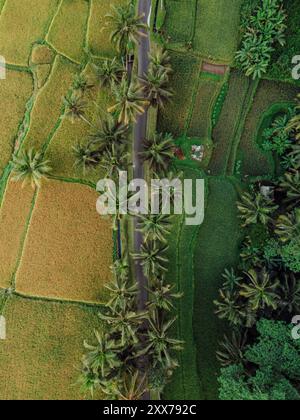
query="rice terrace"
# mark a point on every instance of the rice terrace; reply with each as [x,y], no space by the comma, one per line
[144,306]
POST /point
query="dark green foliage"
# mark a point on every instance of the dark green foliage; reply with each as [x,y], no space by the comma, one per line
[276,358]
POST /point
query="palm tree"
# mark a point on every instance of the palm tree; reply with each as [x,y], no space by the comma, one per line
[120,268]
[125,323]
[109,72]
[110,132]
[30,166]
[288,226]
[129,102]
[291,184]
[103,356]
[256,209]
[261,291]
[122,294]
[155,227]
[88,380]
[232,349]
[85,156]
[229,307]
[127,28]
[75,107]
[160,344]
[160,59]
[152,258]
[159,151]
[289,292]
[162,295]
[293,158]
[131,388]
[232,280]
[81,84]
[114,160]
[155,85]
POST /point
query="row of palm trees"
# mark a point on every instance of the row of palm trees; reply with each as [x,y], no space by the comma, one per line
[265,284]
[135,352]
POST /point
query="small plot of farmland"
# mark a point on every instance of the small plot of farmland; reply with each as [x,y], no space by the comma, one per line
[14,213]
[68,30]
[217,29]
[180,20]
[22,24]
[68,249]
[15,91]
[48,105]
[186,73]
[40,358]
[254,161]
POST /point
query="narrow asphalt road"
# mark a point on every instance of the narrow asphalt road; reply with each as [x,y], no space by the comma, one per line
[144,8]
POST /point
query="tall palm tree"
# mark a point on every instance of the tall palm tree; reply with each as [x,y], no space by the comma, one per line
[132,387]
[256,209]
[232,280]
[81,84]
[288,226]
[129,102]
[85,156]
[162,296]
[114,160]
[232,349]
[75,107]
[30,166]
[120,268]
[125,323]
[291,184]
[88,380]
[260,291]
[155,227]
[156,87]
[289,292]
[103,356]
[109,72]
[153,258]
[160,344]
[229,307]
[110,132]
[160,59]
[127,27]
[159,151]
[122,294]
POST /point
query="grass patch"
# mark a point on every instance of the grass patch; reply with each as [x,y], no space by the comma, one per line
[42,54]
[200,124]
[219,104]
[42,72]
[254,161]
[217,29]
[180,20]
[223,133]
[15,92]
[186,72]
[40,358]
[67,32]
[185,382]
[186,143]
[14,213]
[217,247]
[68,249]
[99,33]
[20,27]
[49,103]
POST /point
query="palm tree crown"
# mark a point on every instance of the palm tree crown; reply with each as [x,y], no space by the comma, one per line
[30,166]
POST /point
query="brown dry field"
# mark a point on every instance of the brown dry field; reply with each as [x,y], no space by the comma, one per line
[68,249]
[14,213]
